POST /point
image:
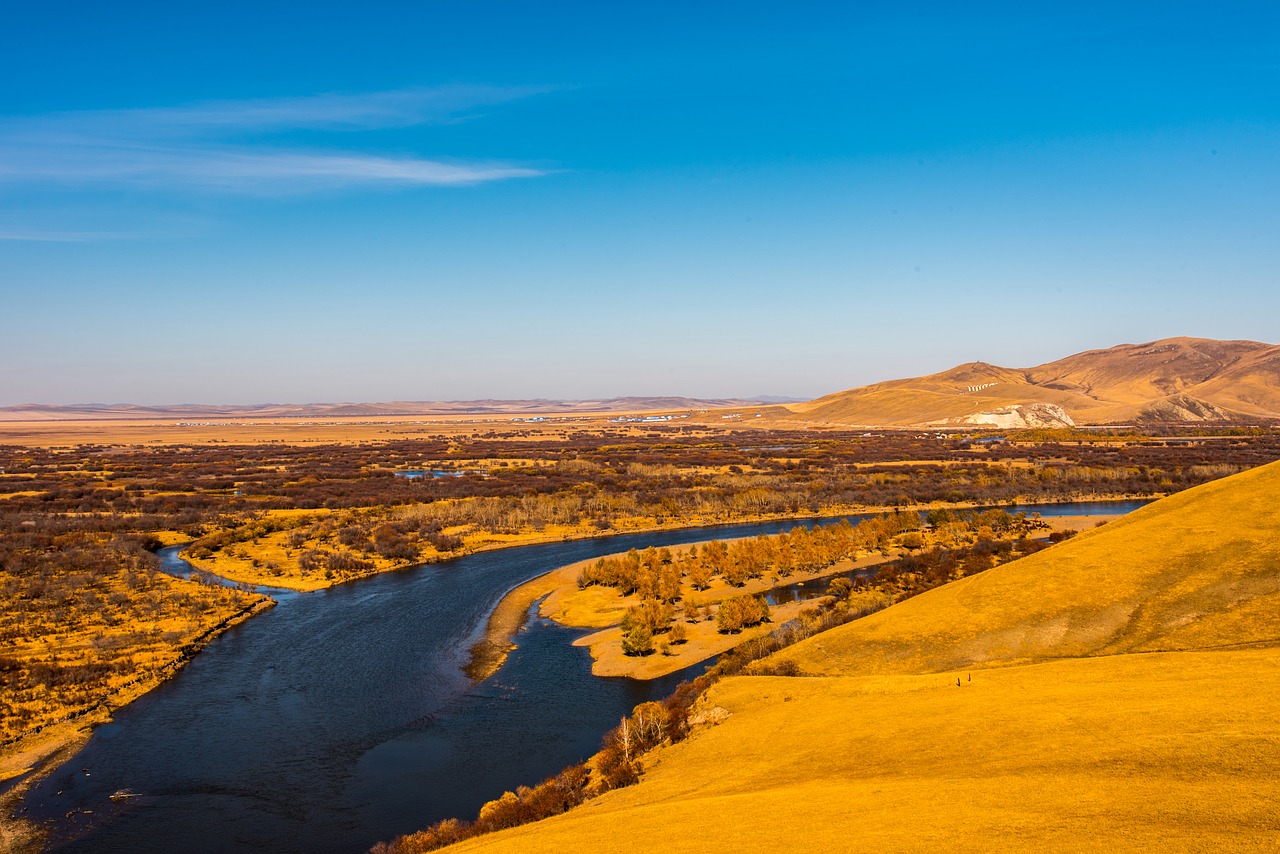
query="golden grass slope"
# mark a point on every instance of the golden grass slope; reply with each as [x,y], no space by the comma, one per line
[1174,379]
[1166,752]
[1083,741]
[1200,569]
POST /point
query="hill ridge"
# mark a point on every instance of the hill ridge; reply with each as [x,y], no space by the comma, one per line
[1178,379]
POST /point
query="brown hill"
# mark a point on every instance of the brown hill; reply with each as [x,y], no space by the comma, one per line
[1175,379]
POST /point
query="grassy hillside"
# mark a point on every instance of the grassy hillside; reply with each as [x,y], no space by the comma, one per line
[1064,732]
[953,394]
[1200,569]
[1158,752]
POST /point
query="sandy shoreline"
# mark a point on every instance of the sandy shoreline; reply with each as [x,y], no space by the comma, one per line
[488,654]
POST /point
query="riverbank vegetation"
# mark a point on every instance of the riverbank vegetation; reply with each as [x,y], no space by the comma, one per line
[658,611]
[314,516]
[88,623]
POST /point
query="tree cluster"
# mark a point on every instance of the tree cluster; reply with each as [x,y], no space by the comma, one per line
[641,622]
[741,612]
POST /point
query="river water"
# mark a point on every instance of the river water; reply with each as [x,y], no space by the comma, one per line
[341,717]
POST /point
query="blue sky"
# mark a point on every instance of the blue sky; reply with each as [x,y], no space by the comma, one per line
[311,202]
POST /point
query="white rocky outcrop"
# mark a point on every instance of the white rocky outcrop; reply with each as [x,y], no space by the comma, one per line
[1020,415]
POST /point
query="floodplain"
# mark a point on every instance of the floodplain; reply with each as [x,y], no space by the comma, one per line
[83,512]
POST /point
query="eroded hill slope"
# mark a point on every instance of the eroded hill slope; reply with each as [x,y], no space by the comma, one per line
[1174,379]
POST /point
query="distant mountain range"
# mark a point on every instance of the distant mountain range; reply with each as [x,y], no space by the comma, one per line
[127,411]
[1171,380]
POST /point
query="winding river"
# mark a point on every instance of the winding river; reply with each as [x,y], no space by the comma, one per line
[341,717]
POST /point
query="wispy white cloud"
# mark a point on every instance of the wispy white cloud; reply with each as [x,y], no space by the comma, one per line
[237,146]
[239,169]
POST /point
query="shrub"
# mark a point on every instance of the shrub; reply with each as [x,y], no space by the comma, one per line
[638,641]
[678,634]
[741,612]
[840,587]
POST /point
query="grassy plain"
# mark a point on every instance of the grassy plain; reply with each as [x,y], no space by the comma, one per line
[1158,752]
[1117,692]
[317,431]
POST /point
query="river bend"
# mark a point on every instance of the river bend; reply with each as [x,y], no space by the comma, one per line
[341,717]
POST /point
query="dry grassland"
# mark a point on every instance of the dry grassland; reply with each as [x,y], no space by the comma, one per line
[68,433]
[1163,752]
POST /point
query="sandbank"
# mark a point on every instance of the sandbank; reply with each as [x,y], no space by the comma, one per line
[602,608]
